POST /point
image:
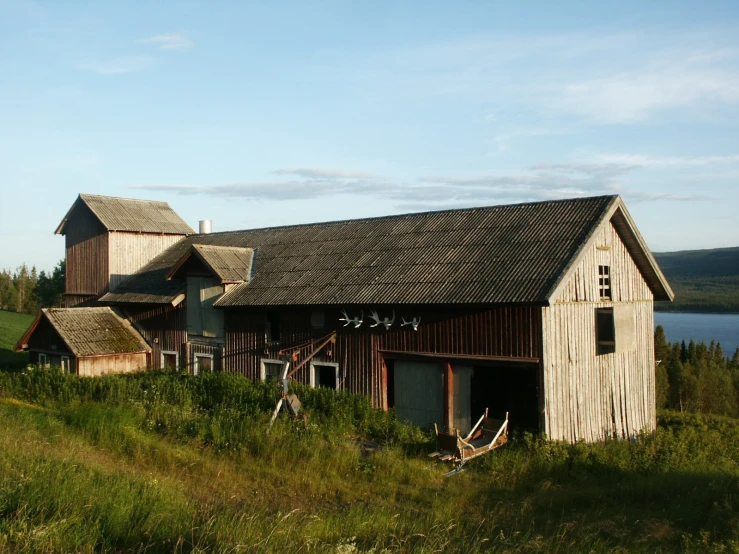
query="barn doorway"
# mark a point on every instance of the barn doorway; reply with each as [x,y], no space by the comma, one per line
[511,388]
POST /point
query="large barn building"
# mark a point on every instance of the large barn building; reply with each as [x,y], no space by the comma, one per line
[543,310]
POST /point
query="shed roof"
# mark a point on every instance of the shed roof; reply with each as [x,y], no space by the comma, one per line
[230,264]
[500,254]
[90,331]
[127,214]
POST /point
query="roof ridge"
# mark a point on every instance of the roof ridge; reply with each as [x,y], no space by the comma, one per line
[86,195]
[419,214]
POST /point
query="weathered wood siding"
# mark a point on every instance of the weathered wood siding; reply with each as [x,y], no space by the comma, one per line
[87,256]
[589,396]
[502,332]
[114,363]
[163,327]
[129,252]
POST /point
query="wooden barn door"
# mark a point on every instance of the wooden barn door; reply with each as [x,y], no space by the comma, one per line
[419,392]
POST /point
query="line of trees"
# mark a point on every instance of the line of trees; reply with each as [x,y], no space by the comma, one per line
[25,290]
[696,377]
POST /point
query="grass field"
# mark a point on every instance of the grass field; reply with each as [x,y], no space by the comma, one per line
[12,326]
[172,463]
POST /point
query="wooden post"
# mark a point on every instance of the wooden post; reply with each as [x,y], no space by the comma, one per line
[383,392]
[448,397]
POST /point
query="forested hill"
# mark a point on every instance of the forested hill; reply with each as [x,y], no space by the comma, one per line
[703,280]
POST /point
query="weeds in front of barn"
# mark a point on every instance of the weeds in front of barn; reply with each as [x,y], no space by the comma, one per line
[164,462]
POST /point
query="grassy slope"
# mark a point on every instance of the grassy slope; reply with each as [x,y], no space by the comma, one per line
[165,463]
[703,280]
[12,327]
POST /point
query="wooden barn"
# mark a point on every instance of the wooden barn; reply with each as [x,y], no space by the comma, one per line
[543,310]
[108,239]
[85,341]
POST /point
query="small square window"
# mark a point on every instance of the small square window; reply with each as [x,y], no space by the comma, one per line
[170,360]
[270,369]
[605,331]
[65,364]
[203,364]
[604,282]
[325,374]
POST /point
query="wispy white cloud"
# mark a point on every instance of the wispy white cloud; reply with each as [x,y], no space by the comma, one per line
[642,160]
[126,64]
[168,41]
[536,183]
[316,173]
[617,78]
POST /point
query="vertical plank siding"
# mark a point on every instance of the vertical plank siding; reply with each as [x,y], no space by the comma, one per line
[87,256]
[589,396]
[500,331]
[129,252]
[163,327]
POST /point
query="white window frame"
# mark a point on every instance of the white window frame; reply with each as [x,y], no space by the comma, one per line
[45,357]
[263,367]
[67,360]
[313,372]
[196,364]
[169,353]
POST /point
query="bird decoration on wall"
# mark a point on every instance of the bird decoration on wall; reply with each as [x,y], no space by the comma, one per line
[386,322]
[415,322]
[357,321]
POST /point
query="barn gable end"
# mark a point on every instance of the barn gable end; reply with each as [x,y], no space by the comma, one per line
[594,389]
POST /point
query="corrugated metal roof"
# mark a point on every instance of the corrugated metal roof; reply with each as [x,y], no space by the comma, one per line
[230,264]
[95,331]
[497,254]
[126,214]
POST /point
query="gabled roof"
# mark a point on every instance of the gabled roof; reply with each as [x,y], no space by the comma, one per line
[126,214]
[230,264]
[90,331]
[500,254]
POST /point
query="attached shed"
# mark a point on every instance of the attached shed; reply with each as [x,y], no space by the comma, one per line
[85,341]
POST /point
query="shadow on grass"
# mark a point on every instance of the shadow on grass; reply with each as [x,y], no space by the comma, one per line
[13,360]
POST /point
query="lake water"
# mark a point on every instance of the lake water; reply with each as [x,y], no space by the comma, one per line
[723,328]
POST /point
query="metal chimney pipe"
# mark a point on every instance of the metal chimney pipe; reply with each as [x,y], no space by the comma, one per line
[206,226]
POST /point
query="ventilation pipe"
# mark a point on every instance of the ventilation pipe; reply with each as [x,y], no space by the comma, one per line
[206,226]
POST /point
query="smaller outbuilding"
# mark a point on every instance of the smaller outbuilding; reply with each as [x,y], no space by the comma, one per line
[85,341]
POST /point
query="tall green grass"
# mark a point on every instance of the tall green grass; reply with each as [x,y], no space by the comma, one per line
[12,327]
[164,462]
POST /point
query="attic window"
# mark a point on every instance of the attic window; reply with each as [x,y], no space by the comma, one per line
[604,282]
[605,331]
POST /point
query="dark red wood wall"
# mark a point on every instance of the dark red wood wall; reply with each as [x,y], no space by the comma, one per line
[163,327]
[509,332]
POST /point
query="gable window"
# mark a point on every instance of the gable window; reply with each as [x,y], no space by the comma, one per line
[65,364]
[170,360]
[270,369]
[203,364]
[272,327]
[43,360]
[604,282]
[325,374]
[605,331]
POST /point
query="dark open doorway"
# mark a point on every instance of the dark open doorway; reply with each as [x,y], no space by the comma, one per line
[512,389]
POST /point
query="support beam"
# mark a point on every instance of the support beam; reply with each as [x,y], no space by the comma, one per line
[448,396]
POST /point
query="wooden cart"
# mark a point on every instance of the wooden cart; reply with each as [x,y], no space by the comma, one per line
[487,435]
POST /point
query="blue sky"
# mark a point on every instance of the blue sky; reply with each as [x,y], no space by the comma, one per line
[255,114]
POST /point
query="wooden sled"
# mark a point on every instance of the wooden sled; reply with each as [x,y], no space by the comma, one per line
[487,435]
